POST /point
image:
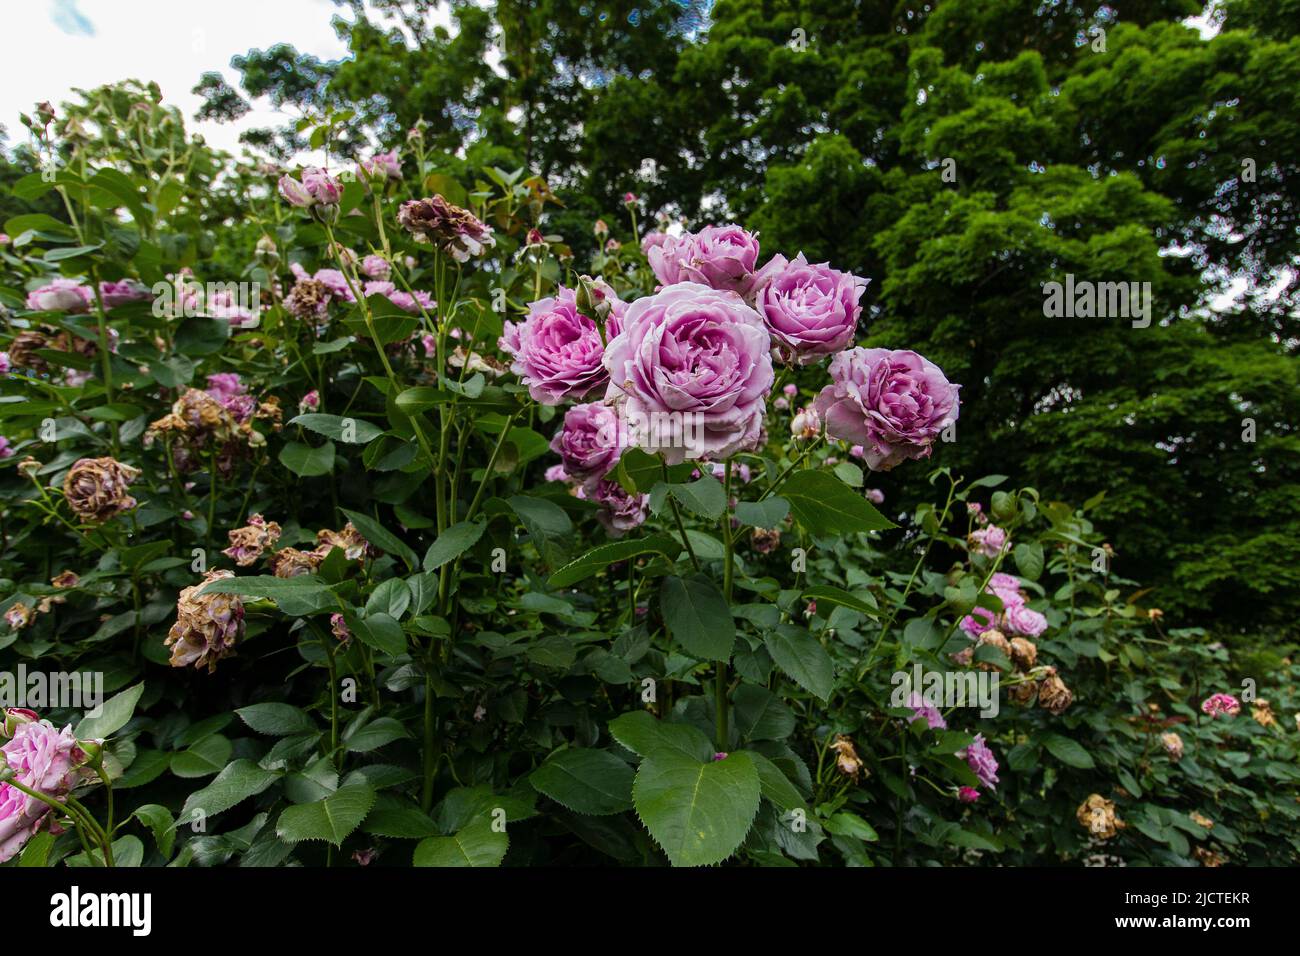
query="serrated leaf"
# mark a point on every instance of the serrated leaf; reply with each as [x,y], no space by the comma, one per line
[353,431]
[768,513]
[586,781]
[452,543]
[307,461]
[826,506]
[237,782]
[382,538]
[643,734]
[801,657]
[331,819]
[111,716]
[606,554]
[277,720]
[699,813]
[474,845]
[1069,752]
[697,616]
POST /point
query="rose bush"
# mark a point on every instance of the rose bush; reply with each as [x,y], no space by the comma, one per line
[423,547]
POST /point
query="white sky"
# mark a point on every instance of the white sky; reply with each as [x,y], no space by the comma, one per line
[52,46]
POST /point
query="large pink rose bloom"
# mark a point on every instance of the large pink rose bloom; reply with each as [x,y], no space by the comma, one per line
[893,403]
[811,310]
[589,441]
[556,350]
[61,295]
[692,368]
[44,759]
[721,257]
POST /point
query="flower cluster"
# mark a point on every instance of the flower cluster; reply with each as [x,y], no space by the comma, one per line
[1217,705]
[217,421]
[291,562]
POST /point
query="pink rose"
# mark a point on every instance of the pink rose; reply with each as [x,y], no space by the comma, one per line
[619,511]
[981,760]
[1217,704]
[692,367]
[123,291]
[44,759]
[653,240]
[588,442]
[323,188]
[556,350]
[1025,622]
[721,257]
[811,310]
[893,403]
[61,295]
[990,541]
[382,166]
[376,267]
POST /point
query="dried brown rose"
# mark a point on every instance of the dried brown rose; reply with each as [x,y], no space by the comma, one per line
[248,543]
[207,625]
[1097,814]
[1053,695]
[96,488]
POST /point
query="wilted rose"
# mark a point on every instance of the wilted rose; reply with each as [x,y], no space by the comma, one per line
[96,488]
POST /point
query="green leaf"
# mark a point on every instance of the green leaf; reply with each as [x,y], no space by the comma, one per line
[452,543]
[586,781]
[704,497]
[474,845]
[606,554]
[827,594]
[351,430]
[422,398]
[379,631]
[111,716]
[277,720]
[1029,559]
[775,785]
[374,735]
[37,851]
[801,656]
[331,819]
[306,461]
[698,617]
[547,525]
[643,734]
[638,470]
[392,597]
[301,595]
[1069,752]
[698,812]
[826,506]
[850,825]
[204,758]
[236,783]
[199,335]
[382,538]
[768,513]
[760,714]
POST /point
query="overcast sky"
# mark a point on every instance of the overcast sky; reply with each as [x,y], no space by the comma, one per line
[53,46]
